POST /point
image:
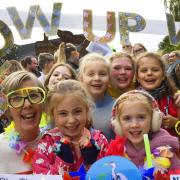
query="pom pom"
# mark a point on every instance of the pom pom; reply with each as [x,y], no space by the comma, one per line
[28,156]
[117,147]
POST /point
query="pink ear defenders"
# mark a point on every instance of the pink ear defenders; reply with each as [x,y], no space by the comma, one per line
[156,116]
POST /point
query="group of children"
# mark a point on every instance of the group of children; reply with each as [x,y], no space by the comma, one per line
[80,112]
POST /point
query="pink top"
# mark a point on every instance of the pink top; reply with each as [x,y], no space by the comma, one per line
[46,161]
[137,156]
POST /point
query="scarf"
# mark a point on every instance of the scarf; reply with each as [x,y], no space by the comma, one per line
[157,93]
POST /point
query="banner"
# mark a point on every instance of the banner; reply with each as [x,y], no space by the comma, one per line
[105,22]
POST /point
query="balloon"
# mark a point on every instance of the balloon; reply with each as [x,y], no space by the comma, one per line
[113,167]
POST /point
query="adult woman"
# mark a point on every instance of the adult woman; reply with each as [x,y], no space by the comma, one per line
[25,95]
[138,49]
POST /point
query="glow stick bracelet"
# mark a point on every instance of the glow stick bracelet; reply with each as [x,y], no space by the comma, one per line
[148,151]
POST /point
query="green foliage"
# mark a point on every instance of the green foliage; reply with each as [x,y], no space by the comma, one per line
[174,8]
[166,47]
[12,54]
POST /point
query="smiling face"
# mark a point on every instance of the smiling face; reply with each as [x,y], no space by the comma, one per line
[70,115]
[137,49]
[122,72]
[150,74]
[96,78]
[60,73]
[135,120]
[27,118]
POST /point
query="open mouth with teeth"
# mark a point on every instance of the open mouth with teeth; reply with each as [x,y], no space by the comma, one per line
[29,117]
[72,128]
[135,133]
[122,79]
[97,86]
[150,80]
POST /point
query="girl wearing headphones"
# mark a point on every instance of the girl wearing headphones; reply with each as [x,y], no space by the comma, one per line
[136,113]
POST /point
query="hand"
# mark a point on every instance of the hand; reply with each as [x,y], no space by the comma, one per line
[169,121]
[65,153]
[90,153]
[177,98]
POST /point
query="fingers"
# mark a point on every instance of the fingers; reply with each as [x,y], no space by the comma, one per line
[167,122]
[177,98]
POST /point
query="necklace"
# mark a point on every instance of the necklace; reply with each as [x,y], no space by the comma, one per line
[20,146]
[82,142]
[17,144]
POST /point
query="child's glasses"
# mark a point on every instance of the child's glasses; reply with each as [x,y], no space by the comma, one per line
[35,95]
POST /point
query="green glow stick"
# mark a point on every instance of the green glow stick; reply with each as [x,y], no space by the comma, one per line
[148,151]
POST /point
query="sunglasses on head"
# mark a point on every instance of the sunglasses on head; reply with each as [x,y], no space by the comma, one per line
[35,95]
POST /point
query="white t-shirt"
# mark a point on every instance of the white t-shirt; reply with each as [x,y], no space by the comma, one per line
[10,161]
[42,78]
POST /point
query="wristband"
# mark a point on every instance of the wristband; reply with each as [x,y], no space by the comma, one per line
[177,127]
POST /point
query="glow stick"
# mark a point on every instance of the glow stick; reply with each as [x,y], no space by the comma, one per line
[148,151]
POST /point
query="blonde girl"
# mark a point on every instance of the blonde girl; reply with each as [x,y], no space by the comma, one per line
[94,73]
[73,141]
[136,113]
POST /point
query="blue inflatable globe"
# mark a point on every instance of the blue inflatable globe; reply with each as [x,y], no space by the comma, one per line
[113,168]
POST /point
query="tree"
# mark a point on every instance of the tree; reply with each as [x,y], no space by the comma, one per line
[174,8]
[12,54]
[166,47]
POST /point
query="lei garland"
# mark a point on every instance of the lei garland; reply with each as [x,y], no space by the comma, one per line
[19,145]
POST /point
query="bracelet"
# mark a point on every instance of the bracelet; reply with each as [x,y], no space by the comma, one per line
[177,127]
